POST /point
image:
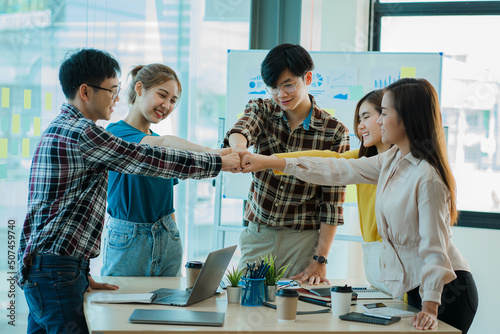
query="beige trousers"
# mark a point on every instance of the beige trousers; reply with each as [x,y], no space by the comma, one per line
[289,246]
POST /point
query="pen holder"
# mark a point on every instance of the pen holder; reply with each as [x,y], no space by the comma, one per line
[252,292]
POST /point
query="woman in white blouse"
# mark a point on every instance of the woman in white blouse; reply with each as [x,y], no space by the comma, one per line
[415,204]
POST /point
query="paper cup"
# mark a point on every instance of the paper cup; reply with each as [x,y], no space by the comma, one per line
[193,269]
[286,304]
[341,299]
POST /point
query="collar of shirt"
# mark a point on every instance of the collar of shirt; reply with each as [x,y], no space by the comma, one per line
[314,119]
[72,110]
[410,157]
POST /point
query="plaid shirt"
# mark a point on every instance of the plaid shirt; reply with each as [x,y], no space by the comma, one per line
[283,200]
[69,179]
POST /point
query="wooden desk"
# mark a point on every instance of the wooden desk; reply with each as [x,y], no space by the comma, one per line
[113,318]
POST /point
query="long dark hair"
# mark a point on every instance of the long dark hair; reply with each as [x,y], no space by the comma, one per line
[375,99]
[417,105]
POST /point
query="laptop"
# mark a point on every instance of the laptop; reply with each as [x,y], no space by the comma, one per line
[206,284]
[177,317]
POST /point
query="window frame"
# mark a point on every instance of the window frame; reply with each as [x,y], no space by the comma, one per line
[476,219]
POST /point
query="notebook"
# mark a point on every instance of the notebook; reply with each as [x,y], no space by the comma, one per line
[370,293]
[360,317]
[117,298]
[177,317]
[360,292]
[206,284]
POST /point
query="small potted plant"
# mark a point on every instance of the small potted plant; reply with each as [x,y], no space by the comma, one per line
[233,289]
[273,275]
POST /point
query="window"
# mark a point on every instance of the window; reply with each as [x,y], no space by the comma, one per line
[470,92]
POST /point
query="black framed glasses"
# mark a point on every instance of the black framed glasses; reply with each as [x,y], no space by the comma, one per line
[114,92]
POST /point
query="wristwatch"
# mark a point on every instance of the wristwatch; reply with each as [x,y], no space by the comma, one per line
[321,259]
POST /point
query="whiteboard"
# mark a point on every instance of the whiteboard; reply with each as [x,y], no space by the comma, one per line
[340,79]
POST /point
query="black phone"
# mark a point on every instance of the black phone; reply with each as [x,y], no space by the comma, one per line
[372,306]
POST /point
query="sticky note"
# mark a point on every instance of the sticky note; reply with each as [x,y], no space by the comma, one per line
[3,171]
[4,126]
[4,143]
[239,115]
[48,101]
[26,147]
[356,92]
[408,72]
[14,147]
[26,123]
[16,123]
[5,97]
[27,99]
[330,111]
[351,194]
[37,121]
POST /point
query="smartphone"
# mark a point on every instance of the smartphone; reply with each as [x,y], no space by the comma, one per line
[372,306]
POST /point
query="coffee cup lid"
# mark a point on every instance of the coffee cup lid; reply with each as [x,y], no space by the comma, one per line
[344,288]
[287,293]
[194,264]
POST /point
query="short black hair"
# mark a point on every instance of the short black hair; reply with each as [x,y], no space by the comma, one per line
[89,66]
[291,56]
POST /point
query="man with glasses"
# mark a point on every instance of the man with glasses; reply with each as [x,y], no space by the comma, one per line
[67,191]
[294,220]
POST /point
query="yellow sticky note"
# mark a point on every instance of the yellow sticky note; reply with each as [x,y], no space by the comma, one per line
[5,97]
[351,194]
[48,101]
[37,121]
[408,72]
[4,144]
[26,147]
[330,111]
[27,99]
[16,123]
[239,115]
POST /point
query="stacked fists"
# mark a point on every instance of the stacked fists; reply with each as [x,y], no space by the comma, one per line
[242,160]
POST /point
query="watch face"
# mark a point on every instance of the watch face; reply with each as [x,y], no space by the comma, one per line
[321,259]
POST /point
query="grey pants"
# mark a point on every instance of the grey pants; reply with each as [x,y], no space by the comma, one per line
[289,246]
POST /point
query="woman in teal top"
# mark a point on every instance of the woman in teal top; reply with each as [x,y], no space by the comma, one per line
[142,238]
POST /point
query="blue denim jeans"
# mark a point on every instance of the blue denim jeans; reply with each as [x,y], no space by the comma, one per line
[137,249]
[54,287]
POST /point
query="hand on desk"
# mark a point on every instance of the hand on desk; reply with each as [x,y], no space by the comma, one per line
[427,318]
[100,286]
[315,273]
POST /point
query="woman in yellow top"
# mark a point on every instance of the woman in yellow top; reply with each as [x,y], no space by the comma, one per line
[367,130]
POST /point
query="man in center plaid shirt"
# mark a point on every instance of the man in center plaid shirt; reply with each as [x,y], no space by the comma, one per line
[294,220]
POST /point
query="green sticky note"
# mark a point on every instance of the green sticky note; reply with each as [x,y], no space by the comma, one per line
[351,194]
[26,123]
[408,72]
[14,147]
[4,143]
[37,121]
[4,126]
[48,101]
[16,123]
[330,111]
[5,97]
[26,148]
[3,171]
[27,99]
[356,92]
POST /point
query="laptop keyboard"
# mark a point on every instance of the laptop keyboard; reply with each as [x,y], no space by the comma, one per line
[176,298]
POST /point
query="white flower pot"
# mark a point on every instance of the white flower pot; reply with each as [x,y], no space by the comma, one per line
[233,294]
